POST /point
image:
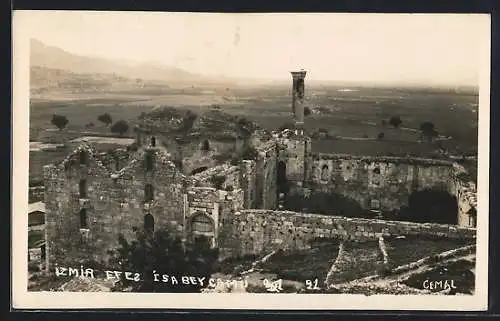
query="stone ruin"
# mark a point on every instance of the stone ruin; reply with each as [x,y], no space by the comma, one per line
[188,181]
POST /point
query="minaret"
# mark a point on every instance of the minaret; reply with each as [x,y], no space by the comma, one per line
[298,89]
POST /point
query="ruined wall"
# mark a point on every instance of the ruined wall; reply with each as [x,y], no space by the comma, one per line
[248,180]
[293,151]
[218,205]
[257,231]
[266,176]
[465,190]
[378,182]
[114,203]
[191,151]
[115,159]
[230,172]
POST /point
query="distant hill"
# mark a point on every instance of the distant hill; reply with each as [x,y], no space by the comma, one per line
[48,58]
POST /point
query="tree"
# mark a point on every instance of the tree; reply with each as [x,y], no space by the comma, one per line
[120,127]
[381,135]
[428,130]
[155,254]
[59,121]
[244,127]
[395,121]
[105,119]
[307,111]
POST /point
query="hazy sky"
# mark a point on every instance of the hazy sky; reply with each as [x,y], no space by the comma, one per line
[434,49]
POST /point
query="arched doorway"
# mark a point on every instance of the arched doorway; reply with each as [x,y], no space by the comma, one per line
[82,188]
[432,206]
[202,231]
[281,177]
[199,170]
[153,141]
[149,223]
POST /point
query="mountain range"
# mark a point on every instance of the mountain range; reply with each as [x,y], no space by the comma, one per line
[48,63]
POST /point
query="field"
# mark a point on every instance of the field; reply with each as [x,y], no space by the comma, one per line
[353,118]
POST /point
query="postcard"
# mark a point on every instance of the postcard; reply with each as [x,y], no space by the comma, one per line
[250,161]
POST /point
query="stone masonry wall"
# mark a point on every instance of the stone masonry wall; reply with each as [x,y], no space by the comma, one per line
[258,231]
[266,168]
[388,180]
[248,179]
[465,190]
[230,172]
[293,150]
[115,203]
[218,205]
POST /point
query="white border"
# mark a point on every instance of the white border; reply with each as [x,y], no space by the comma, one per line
[22,299]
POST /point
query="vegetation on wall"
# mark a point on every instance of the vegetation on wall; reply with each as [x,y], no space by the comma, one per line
[161,253]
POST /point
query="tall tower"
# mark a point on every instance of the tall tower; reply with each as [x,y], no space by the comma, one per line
[298,89]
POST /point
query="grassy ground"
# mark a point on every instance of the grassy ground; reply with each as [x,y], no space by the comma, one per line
[359,260]
[304,265]
[357,114]
[413,248]
[459,272]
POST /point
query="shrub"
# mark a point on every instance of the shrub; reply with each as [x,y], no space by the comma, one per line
[395,121]
[120,127]
[59,121]
[105,119]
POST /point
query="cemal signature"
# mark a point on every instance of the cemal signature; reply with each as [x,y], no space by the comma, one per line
[439,285]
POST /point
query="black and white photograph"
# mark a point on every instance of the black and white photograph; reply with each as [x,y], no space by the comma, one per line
[192,160]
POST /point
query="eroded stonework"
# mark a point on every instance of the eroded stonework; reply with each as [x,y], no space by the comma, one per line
[219,182]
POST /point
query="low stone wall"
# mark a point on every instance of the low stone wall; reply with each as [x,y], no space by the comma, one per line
[255,231]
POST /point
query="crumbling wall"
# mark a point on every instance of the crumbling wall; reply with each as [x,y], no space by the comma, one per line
[378,182]
[266,176]
[248,179]
[115,159]
[115,203]
[256,231]
[292,151]
[465,190]
[218,205]
[231,173]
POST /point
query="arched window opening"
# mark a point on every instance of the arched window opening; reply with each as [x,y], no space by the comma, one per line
[149,162]
[153,141]
[83,188]
[202,223]
[83,219]
[83,158]
[198,170]
[324,173]
[117,165]
[148,192]
[472,217]
[149,223]
[376,170]
[205,146]
[375,204]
